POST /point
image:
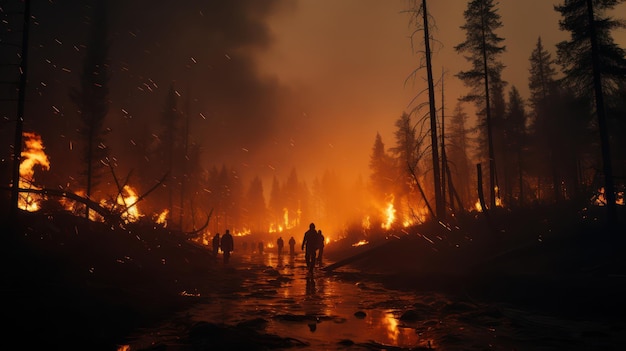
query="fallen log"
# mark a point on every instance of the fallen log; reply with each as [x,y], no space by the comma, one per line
[356,257]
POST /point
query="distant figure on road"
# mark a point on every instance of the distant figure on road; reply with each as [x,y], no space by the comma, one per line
[280,244]
[227,245]
[216,244]
[292,246]
[321,247]
[312,243]
[260,247]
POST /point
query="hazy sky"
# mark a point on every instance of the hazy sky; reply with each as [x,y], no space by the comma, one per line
[353,58]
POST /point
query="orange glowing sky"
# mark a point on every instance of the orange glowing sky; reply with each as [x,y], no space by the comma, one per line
[353,58]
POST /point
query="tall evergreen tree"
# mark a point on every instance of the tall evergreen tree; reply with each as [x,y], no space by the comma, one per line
[592,62]
[276,203]
[382,172]
[542,76]
[169,145]
[483,47]
[457,149]
[92,99]
[515,132]
[546,125]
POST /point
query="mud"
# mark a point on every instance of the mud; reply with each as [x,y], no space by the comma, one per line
[281,306]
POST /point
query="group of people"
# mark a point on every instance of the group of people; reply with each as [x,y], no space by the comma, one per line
[280,244]
[312,244]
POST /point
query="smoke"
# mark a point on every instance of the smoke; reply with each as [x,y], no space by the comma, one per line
[207,50]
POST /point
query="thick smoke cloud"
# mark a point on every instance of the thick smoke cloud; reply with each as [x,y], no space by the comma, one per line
[205,49]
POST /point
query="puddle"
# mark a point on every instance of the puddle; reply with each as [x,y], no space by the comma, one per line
[321,311]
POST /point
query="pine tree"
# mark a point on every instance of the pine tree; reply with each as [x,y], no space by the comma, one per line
[382,173]
[515,132]
[546,120]
[484,47]
[169,147]
[92,100]
[457,154]
[542,76]
[592,62]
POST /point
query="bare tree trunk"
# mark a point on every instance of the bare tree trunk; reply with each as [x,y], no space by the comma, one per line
[492,163]
[439,207]
[19,121]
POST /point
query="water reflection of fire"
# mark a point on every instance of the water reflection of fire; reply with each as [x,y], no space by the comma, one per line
[32,155]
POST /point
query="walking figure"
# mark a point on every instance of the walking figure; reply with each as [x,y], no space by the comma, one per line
[321,247]
[216,244]
[280,245]
[227,245]
[312,243]
[292,246]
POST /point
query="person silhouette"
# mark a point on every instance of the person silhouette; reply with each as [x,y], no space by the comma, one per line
[216,244]
[321,247]
[280,244]
[292,246]
[227,245]
[311,243]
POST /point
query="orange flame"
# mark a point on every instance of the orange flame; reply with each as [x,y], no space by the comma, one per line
[390,214]
[32,155]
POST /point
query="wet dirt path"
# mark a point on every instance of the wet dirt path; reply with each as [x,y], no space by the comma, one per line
[323,312]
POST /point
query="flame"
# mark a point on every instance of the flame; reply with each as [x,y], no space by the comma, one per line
[365,223]
[286,223]
[361,243]
[600,198]
[32,155]
[390,214]
[161,218]
[128,197]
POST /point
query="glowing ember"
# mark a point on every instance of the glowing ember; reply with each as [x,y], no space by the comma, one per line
[361,243]
[600,200]
[161,218]
[32,155]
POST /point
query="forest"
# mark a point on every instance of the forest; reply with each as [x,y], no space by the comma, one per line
[562,144]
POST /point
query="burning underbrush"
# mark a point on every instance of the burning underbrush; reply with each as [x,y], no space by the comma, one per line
[541,241]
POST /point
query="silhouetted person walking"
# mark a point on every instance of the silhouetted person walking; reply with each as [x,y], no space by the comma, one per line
[216,244]
[321,247]
[292,246]
[311,243]
[280,244]
[227,245]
